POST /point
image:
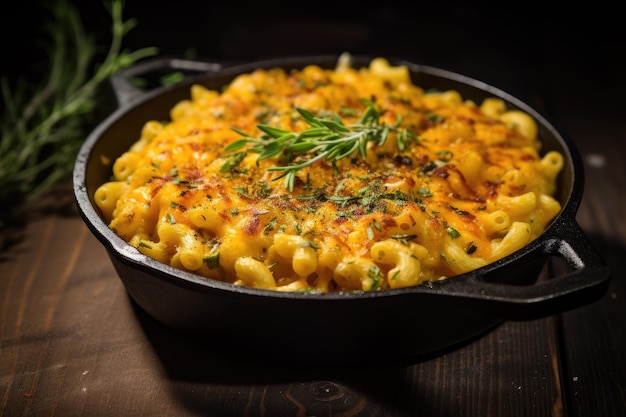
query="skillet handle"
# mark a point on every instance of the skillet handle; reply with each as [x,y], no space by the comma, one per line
[126,91]
[587,282]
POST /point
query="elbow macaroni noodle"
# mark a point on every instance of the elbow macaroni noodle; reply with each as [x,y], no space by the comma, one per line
[470,188]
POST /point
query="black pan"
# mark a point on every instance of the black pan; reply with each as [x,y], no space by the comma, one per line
[342,328]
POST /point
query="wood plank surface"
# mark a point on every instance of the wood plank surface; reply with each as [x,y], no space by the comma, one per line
[72,343]
[583,98]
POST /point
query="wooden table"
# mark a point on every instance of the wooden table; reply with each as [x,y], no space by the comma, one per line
[72,342]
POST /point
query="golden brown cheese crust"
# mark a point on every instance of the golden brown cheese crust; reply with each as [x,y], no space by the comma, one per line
[470,187]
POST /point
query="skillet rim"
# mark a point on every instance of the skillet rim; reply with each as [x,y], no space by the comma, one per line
[129,255]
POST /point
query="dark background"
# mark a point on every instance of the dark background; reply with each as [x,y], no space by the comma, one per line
[524,48]
[567,62]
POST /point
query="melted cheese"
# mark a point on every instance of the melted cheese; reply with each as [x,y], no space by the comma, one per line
[468,188]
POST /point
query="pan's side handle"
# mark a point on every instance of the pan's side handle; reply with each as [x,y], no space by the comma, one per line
[126,91]
[587,282]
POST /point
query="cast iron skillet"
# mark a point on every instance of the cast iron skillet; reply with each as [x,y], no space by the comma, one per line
[344,328]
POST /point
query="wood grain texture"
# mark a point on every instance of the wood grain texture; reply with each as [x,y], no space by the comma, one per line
[593,338]
[72,343]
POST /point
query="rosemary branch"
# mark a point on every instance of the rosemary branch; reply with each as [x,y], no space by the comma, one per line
[326,139]
[42,131]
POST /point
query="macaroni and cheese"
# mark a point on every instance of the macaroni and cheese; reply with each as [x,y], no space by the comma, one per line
[399,187]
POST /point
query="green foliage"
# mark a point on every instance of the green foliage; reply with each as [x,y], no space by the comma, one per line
[326,139]
[44,126]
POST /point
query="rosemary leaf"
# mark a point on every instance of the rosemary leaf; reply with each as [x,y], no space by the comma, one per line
[326,139]
[43,127]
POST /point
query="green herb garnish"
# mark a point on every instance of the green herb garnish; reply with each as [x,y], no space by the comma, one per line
[212,260]
[404,238]
[376,275]
[326,139]
[454,234]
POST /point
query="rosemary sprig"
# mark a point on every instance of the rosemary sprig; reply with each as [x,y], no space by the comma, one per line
[42,131]
[326,139]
